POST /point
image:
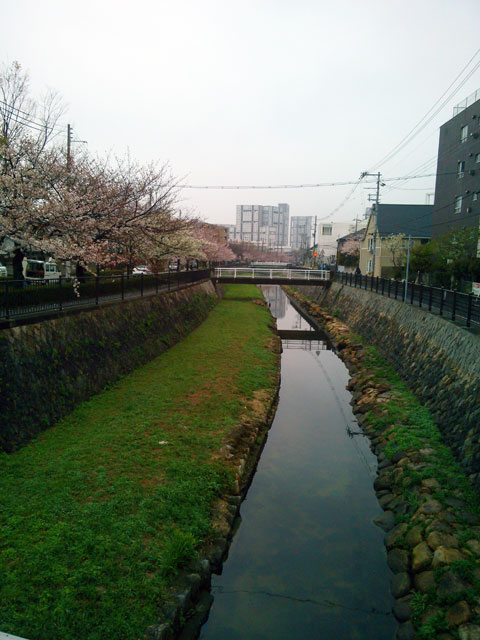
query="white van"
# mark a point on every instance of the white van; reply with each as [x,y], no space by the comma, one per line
[40,270]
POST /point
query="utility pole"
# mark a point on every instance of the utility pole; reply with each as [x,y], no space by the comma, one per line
[364,174]
[407,269]
[69,147]
[314,241]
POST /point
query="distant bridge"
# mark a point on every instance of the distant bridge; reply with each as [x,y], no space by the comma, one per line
[240,275]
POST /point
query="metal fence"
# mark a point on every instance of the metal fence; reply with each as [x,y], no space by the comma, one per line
[272,274]
[445,302]
[22,298]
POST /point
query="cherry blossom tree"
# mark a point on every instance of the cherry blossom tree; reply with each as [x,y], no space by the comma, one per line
[211,247]
[92,211]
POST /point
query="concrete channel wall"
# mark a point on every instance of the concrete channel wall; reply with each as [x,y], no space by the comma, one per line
[48,367]
[439,360]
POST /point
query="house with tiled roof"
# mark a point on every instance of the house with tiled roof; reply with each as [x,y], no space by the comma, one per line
[379,254]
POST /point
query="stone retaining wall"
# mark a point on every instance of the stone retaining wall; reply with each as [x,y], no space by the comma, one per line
[48,367]
[439,360]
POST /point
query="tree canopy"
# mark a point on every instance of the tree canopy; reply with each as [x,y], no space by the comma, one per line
[449,257]
[103,211]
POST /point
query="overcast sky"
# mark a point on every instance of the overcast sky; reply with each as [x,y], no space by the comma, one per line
[265,92]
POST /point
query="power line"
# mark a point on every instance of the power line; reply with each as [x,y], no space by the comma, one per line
[28,120]
[31,124]
[278,186]
[422,167]
[348,196]
[410,188]
[425,165]
[414,132]
[310,186]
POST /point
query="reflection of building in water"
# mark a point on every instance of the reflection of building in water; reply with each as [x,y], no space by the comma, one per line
[306,345]
[276,300]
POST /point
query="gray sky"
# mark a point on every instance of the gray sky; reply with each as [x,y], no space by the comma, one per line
[270,92]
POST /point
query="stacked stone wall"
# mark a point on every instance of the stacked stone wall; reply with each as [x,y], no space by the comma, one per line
[48,367]
[439,360]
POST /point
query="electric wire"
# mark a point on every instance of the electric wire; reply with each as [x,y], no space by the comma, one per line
[309,186]
[26,119]
[421,125]
[425,166]
[24,122]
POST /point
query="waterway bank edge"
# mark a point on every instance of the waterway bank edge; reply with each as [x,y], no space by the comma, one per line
[431,513]
[191,598]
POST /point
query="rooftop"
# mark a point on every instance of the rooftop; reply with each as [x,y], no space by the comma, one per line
[407,219]
[461,106]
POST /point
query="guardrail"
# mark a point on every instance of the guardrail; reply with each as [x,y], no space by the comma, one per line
[272,274]
[444,302]
[22,298]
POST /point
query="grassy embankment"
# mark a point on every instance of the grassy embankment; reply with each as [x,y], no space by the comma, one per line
[99,513]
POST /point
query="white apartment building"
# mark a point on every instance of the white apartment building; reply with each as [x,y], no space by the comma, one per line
[328,234]
[264,226]
[301,232]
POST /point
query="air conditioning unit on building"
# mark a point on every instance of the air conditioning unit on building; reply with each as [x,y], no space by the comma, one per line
[469,209]
[474,135]
[472,172]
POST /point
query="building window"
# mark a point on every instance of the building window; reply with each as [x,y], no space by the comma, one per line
[326,230]
[458,204]
[369,266]
[477,157]
[370,244]
[464,133]
[474,196]
[460,169]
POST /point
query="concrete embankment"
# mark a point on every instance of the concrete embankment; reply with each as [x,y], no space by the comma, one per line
[48,367]
[439,360]
[431,515]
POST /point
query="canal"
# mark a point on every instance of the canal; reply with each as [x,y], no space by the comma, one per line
[307,561]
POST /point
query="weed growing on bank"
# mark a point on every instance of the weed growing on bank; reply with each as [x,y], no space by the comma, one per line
[101,511]
[410,426]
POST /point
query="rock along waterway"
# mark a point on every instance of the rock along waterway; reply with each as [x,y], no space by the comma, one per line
[307,560]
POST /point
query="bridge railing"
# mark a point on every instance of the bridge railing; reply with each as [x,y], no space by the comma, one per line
[444,302]
[272,274]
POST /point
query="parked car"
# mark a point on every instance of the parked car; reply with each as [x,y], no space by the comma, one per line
[40,270]
[3,271]
[173,266]
[141,269]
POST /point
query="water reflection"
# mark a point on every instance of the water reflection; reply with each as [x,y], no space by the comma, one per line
[276,299]
[305,345]
[307,561]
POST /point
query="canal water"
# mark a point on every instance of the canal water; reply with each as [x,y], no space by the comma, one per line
[307,561]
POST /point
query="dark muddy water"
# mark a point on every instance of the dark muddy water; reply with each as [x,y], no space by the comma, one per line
[307,561]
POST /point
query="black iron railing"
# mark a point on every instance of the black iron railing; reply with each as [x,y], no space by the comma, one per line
[23,298]
[445,302]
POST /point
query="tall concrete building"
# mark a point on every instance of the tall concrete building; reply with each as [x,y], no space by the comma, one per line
[301,230]
[264,226]
[457,188]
